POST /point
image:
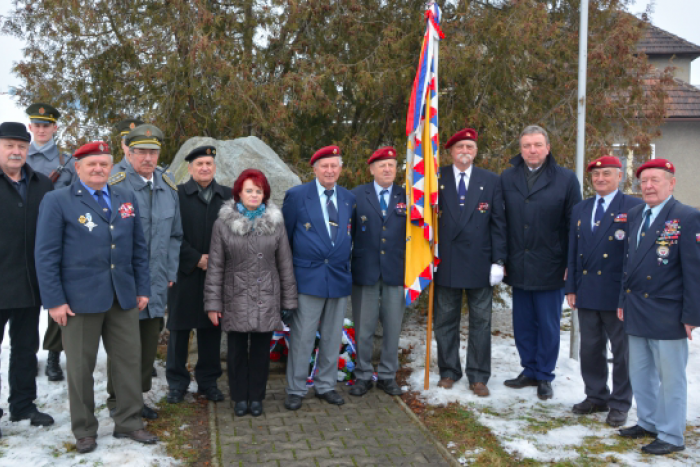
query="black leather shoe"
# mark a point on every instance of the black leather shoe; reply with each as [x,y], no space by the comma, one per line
[389,386]
[175,396]
[331,397]
[520,382]
[544,390]
[292,402]
[85,445]
[213,394]
[659,447]
[636,432]
[616,418]
[588,407]
[256,408]
[240,409]
[148,413]
[35,418]
[361,387]
[53,367]
[154,373]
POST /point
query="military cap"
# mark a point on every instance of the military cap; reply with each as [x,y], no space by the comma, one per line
[126,125]
[14,130]
[42,113]
[328,151]
[145,136]
[605,161]
[96,148]
[461,135]
[662,164]
[201,151]
[386,152]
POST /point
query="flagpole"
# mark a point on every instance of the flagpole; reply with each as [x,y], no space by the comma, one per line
[429,338]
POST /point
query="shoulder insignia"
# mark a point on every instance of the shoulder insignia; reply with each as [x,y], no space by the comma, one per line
[116,178]
[169,181]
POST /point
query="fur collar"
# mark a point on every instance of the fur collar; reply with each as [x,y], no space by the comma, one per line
[267,224]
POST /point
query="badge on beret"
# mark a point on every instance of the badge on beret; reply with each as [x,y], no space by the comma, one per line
[663,251]
[102,148]
[335,151]
[620,234]
[148,133]
[598,163]
[132,126]
[42,111]
[391,153]
[668,165]
[208,151]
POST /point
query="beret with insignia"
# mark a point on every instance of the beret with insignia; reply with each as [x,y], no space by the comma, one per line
[328,151]
[145,136]
[662,164]
[461,135]
[201,151]
[96,148]
[126,125]
[42,113]
[386,152]
[605,161]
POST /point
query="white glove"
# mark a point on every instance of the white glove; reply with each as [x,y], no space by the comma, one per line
[496,275]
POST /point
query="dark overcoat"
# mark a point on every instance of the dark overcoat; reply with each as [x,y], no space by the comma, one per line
[18,218]
[473,238]
[538,224]
[186,296]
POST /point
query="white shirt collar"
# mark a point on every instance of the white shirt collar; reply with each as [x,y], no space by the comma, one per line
[608,198]
[320,188]
[146,180]
[468,174]
[378,188]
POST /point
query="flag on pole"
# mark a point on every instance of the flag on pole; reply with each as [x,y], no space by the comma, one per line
[422,161]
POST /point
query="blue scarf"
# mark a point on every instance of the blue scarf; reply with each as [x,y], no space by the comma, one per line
[252,215]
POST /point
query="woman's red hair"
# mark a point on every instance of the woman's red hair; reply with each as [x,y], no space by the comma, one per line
[257,177]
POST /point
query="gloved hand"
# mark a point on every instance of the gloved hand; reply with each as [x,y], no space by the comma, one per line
[496,276]
[287,315]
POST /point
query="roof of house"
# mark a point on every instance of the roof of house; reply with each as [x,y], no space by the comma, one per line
[682,99]
[656,41]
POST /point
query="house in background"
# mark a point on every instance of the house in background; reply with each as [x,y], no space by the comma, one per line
[680,132]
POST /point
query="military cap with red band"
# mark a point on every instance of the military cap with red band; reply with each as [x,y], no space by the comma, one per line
[386,152]
[603,162]
[96,148]
[461,135]
[328,151]
[662,164]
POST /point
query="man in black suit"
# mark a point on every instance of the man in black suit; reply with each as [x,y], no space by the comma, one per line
[597,241]
[378,260]
[472,233]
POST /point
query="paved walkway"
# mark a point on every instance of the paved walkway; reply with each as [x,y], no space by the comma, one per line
[370,430]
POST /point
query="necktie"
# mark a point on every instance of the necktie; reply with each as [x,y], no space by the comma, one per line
[332,214]
[647,218]
[599,211]
[103,204]
[462,190]
[382,202]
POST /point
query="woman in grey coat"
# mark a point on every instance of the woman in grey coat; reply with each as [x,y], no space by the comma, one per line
[249,285]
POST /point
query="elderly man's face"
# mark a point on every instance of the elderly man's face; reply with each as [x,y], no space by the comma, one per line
[327,171]
[94,170]
[534,149]
[383,171]
[144,161]
[606,180]
[656,185]
[202,170]
[463,154]
[13,155]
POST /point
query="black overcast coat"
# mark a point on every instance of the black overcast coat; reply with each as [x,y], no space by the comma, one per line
[538,224]
[186,296]
[18,283]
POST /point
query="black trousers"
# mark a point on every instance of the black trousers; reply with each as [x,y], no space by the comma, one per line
[248,368]
[208,368]
[24,342]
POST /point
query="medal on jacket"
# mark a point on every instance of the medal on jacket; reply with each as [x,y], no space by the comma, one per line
[663,251]
[86,220]
[307,225]
[620,234]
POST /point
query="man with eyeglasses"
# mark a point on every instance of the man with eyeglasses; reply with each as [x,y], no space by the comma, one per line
[158,202]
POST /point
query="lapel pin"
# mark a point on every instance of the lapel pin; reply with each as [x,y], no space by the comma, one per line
[307,225]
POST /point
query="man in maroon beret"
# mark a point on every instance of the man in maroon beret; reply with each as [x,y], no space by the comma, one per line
[597,246]
[659,305]
[472,254]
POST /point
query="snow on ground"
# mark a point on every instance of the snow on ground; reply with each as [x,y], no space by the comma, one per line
[539,430]
[23,444]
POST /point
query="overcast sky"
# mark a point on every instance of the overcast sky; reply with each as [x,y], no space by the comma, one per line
[680,17]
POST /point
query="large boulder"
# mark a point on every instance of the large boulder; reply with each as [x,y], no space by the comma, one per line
[233,157]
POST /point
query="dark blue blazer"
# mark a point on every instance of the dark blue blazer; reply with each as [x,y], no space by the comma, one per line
[379,244]
[321,268]
[595,260]
[659,298]
[84,268]
[473,238]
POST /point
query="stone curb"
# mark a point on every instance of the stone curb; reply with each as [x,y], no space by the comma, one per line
[446,454]
[214,435]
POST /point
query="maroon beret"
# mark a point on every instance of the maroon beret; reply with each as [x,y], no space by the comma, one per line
[605,161]
[387,152]
[466,133]
[92,149]
[662,164]
[328,151]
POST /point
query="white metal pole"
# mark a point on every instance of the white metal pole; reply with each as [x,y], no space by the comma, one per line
[580,139]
